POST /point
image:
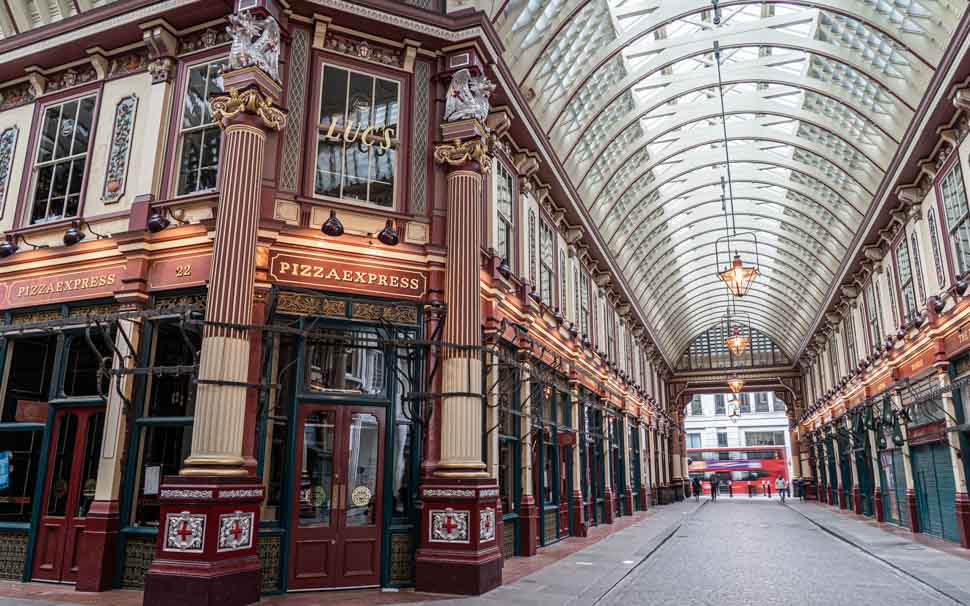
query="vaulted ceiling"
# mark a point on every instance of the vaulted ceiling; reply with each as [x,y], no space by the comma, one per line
[18,16]
[817,97]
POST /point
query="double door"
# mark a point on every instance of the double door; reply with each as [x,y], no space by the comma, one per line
[337,498]
[72,473]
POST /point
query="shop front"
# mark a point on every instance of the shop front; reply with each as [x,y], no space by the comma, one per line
[591,453]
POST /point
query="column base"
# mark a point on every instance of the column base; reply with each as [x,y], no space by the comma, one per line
[857,500]
[678,489]
[963,518]
[608,513]
[913,514]
[458,551]
[644,498]
[99,543]
[528,527]
[580,528]
[877,506]
[628,501]
[206,553]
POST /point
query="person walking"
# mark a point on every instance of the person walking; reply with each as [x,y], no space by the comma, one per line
[781,487]
[696,487]
[713,488]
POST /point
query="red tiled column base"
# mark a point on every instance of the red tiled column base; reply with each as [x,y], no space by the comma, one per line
[628,501]
[608,513]
[857,500]
[207,552]
[528,527]
[913,513]
[580,528]
[963,518]
[644,498]
[458,550]
[877,506]
[99,544]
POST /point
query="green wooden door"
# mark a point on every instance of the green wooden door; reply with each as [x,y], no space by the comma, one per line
[933,479]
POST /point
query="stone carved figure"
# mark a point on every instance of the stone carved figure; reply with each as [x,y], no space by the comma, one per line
[255,42]
[468,97]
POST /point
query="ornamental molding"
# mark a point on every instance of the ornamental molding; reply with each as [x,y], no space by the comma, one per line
[8,149]
[184,493]
[449,492]
[468,96]
[249,101]
[405,23]
[241,493]
[458,153]
[119,154]
[486,525]
[449,526]
[255,42]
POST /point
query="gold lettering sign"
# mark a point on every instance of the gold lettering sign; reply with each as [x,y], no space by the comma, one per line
[369,136]
[358,277]
[60,287]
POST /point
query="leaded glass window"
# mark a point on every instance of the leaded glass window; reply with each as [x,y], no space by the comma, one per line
[62,153]
[907,282]
[358,137]
[872,311]
[505,235]
[199,136]
[547,263]
[955,205]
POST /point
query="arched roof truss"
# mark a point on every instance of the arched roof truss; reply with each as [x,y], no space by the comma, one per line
[817,97]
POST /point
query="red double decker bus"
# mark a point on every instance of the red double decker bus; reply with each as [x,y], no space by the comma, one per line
[743,467]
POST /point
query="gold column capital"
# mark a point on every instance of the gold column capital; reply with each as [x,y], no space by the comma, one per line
[249,101]
[460,153]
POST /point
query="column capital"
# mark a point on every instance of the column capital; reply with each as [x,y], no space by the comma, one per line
[248,103]
[466,145]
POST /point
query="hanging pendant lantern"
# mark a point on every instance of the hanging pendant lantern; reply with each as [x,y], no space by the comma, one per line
[737,343]
[735,273]
[738,277]
[735,384]
[736,328]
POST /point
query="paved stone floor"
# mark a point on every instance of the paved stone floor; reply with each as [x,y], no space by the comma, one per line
[735,552]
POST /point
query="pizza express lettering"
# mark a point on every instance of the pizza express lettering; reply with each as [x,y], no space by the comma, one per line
[321,272]
[41,289]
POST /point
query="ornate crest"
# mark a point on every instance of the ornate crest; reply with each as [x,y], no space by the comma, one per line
[235,531]
[459,152]
[184,532]
[468,97]
[486,525]
[449,526]
[255,42]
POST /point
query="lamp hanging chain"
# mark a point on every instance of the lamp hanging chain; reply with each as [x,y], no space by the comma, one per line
[727,154]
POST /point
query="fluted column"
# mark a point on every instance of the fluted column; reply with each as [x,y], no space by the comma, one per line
[220,409]
[461,370]
[913,522]
[876,479]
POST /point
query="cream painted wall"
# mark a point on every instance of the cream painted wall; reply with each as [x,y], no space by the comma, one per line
[21,118]
[144,141]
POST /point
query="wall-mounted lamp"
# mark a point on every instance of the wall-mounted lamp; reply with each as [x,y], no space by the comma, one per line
[9,245]
[388,235]
[73,234]
[332,227]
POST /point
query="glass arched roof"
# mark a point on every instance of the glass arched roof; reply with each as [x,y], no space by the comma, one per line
[817,97]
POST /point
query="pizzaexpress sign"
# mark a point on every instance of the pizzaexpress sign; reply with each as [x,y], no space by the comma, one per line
[357,277]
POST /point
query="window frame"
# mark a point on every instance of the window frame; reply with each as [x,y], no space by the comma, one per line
[500,219]
[948,169]
[28,180]
[870,294]
[320,60]
[546,229]
[175,127]
[907,288]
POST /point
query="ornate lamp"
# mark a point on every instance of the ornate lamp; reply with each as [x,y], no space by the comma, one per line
[735,384]
[737,343]
[738,276]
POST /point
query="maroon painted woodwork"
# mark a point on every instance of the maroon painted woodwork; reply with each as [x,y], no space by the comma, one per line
[963,518]
[528,526]
[857,500]
[608,511]
[99,544]
[628,501]
[877,506]
[206,553]
[459,551]
[912,512]
[580,528]
[334,550]
[58,554]
[644,497]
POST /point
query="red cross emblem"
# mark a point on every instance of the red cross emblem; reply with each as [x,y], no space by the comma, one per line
[236,530]
[184,531]
[488,524]
[450,525]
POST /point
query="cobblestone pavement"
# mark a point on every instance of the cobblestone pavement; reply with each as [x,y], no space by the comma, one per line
[758,552]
